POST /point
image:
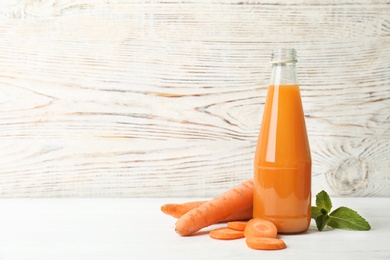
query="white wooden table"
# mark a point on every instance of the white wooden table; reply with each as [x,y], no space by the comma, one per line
[136,229]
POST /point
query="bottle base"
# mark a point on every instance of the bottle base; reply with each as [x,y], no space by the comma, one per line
[290,225]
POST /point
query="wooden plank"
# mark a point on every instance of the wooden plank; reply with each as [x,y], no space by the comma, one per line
[132,99]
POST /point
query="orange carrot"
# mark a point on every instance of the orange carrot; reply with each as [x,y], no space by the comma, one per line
[245,214]
[226,233]
[265,243]
[217,209]
[258,227]
[237,225]
[178,210]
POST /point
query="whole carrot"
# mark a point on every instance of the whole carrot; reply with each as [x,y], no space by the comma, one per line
[177,210]
[217,209]
[245,214]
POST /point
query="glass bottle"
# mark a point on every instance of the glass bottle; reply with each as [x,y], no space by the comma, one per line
[282,176]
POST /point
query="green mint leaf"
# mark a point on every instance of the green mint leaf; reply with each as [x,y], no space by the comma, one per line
[315,212]
[322,221]
[324,211]
[346,218]
[323,201]
[320,216]
[341,218]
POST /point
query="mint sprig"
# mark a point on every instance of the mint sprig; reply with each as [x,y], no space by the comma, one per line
[340,218]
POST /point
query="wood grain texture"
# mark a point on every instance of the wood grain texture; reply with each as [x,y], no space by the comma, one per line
[164,98]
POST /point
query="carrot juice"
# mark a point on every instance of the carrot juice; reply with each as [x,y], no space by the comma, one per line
[282,169]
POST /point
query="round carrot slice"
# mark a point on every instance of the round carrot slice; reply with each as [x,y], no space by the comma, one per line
[237,225]
[258,227]
[226,233]
[265,243]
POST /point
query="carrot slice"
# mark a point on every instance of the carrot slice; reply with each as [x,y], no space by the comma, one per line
[226,233]
[265,243]
[237,225]
[258,227]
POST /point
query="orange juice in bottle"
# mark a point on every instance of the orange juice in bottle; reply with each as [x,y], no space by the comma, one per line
[282,170]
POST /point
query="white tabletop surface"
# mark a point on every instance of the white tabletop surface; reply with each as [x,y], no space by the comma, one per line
[96,229]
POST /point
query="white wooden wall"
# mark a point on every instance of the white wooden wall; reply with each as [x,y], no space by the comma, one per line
[164,98]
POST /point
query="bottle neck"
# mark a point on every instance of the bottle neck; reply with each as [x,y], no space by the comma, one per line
[284,74]
[284,67]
